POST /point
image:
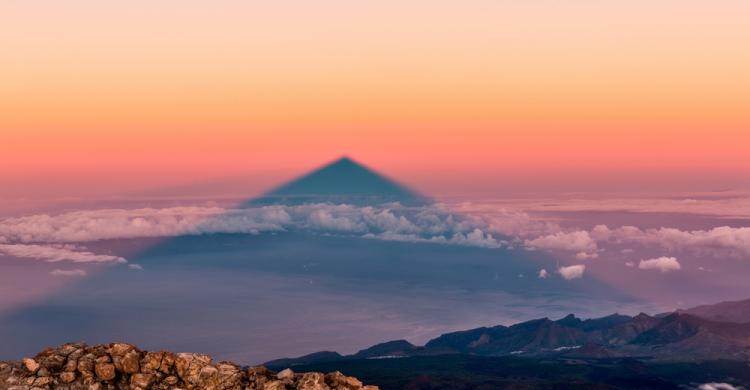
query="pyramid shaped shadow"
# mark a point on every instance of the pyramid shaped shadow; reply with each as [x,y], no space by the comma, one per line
[343,181]
[198,279]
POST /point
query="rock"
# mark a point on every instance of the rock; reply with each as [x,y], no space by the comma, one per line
[31,365]
[70,365]
[170,380]
[286,374]
[338,380]
[312,381]
[68,376]
[42,381]
[189,365]
[105,371]
[274,385]
[208,377]
[131,362]
[141,381]
[53,362]
[230,375]
[151,361]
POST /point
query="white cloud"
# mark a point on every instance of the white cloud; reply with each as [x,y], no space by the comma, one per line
[68,272]
[572,271]
[56,253]
[543,274]
[577,241]
[722,239]
[135,266]
[663,264]
[719,386]
[629,264]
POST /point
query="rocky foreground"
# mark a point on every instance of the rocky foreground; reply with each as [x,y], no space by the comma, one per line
[124,366]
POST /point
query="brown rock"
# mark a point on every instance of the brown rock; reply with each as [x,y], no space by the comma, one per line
[151,361]
[230,375]
[70,365]
[170,380]
[274,385]
[339,380]
[67,349]
[130,362]
[53,362]
[68,377]
[312,381]
[86,364]
[31,365]
[42,381]
[105,371]
[259,371]
[189,365]
[167,362]
[141,381]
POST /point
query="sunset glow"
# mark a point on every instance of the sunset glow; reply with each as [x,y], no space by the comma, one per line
[192,90]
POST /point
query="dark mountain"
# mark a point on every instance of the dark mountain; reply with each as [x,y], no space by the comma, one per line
[388,349]
[323,356]
[734,311]
[342,181]
[674,337]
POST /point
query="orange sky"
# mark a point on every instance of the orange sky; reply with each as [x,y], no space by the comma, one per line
[435,92]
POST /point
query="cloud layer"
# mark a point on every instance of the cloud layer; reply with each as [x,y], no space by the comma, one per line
[57,253]
[31,236]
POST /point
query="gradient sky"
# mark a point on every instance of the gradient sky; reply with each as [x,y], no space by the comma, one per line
[437,93]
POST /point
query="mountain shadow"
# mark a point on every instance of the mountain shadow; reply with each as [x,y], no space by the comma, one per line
[341,181]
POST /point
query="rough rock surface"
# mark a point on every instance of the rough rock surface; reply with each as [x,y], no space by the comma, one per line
[124,366]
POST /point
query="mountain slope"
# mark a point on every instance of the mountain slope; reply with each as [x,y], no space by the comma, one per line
[734,311]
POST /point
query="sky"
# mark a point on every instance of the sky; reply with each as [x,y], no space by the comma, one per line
[449,96]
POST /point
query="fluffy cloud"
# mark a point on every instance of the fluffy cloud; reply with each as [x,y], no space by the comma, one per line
[663,264]
[571,271]
[57,253]
[135,267]
[578,241]
[543,274]
[68,272]
[394,222]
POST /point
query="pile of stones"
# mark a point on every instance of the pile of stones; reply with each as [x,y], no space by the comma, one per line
[123,366]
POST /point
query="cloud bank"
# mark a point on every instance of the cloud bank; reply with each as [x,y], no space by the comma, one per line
[31,236]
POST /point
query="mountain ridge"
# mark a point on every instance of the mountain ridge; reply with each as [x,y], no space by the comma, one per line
[678,336]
